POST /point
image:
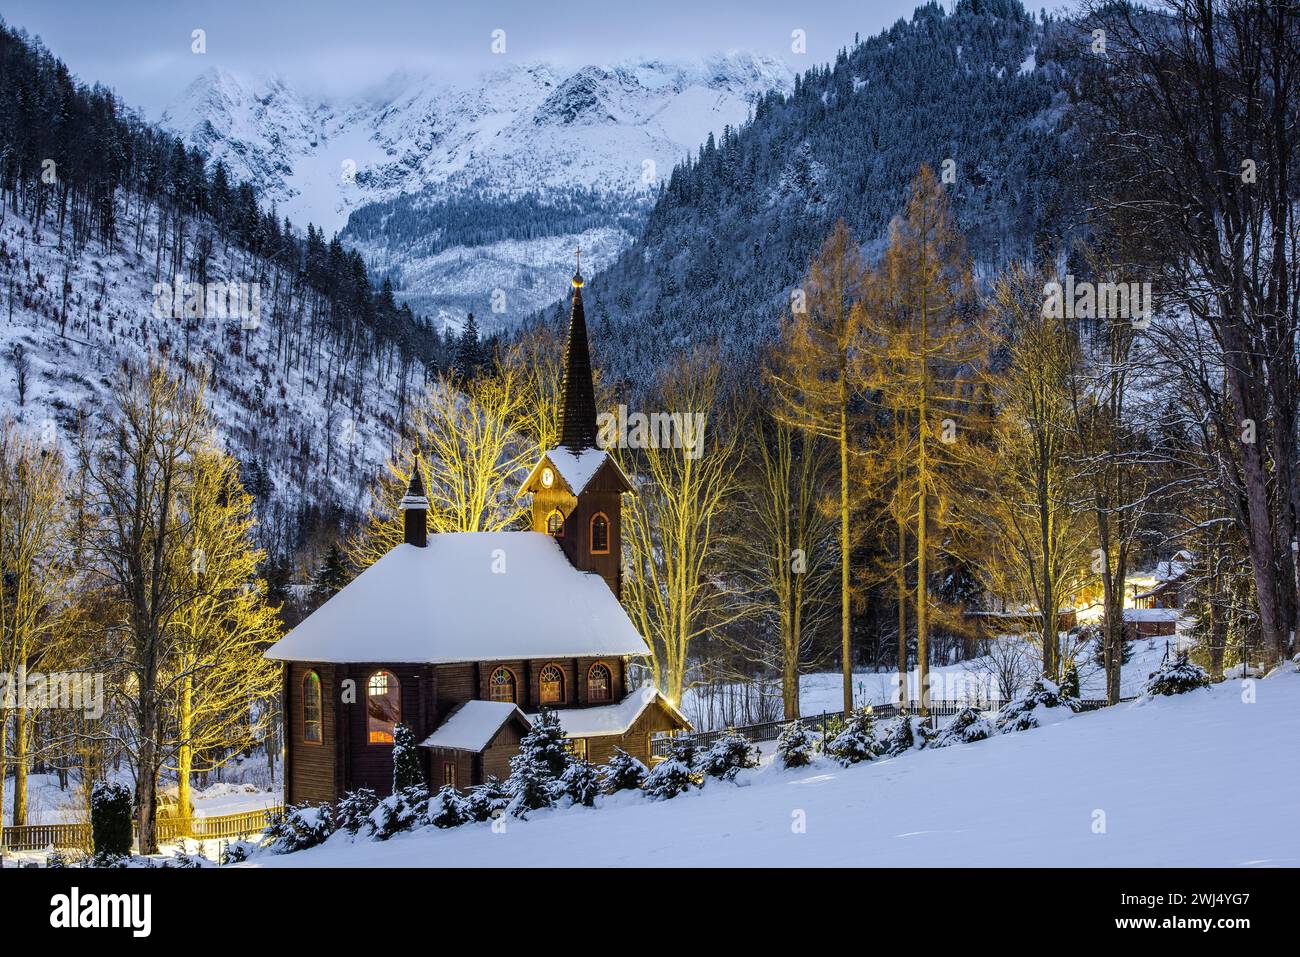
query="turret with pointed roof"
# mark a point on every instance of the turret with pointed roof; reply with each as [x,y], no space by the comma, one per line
[578,431]
[415,510]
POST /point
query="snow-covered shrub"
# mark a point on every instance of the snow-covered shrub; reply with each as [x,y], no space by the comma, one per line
[581,782]
[109,861]
[1176,675]
[56,861]
[909,733]
[186,859]
[794,746]
[1022,713]
[968,725]
[110,818]
[400,811]
[299,827]
[855,741]
[730,754]
[233,852]
[352,813]
[535,772]
[447,808]
[622,773]
[675,773]
[487,800]
[407,772]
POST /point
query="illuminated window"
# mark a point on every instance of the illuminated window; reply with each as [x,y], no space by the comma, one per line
[598,683]
[311,723]
[501,686]
[383,707]
[599,534]
[579,747]
[449,773]
[555,524]
[552,685]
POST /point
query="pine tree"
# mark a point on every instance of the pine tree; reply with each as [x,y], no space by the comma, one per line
[581,782]
[676,773]
[622,773]
[110,818]
[729,755]
[536,771]
[407,772]
[447,808]
[857,741]
[353,811]
[794,746]
[469,354]
[331,576]
[487,800]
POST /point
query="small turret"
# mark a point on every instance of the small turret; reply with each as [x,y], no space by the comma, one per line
[415,510]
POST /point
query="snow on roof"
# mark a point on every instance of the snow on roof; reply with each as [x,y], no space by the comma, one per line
[576,470]
[1152,614]
[472,726]
[468,596]
[612,718]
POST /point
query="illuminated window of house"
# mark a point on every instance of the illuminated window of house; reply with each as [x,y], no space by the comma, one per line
[599,534]
[551,682]
[383,707]
[449,773]
[501,686]
[555,524]
[598,683]
[311,722]
[579,747]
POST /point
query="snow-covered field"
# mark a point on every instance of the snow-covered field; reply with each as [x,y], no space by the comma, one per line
[47,803]
[1162,782]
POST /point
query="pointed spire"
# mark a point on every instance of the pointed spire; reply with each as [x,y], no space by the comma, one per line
[415,509]
[578,431]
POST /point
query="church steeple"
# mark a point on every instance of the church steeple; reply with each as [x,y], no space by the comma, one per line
[415,509]
[578,430]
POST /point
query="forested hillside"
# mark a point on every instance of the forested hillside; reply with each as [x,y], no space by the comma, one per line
[735,226]
[97,208]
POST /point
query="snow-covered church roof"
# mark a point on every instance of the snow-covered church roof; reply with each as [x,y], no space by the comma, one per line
[473,725]
[470,596]
[617,718]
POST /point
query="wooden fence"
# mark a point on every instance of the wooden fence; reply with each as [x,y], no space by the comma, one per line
[39,837]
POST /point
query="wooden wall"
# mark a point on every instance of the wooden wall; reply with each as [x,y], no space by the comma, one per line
[310,771]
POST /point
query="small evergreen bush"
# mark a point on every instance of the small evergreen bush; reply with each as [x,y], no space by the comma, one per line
[447,808]
[968,725]
[581,782]
[1176,675]
[622,773]
[299,827]
[487,800]
[353,811]
[794,746]
[729,755]
[855,741]
[400,811]
[676,773]
[407,772]
[110,818]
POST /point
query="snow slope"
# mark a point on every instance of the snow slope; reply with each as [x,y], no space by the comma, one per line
[1159,783]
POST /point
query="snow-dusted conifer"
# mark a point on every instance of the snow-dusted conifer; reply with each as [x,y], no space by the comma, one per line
[400,811]
[729,755]
[676,773]
[110,818]
[487,800]
[968,725]
[407,772]
[352,812]
[856,741]
[581,782]
[299,827]
[622,773]
[447,808]
[1176,675]
[794,746]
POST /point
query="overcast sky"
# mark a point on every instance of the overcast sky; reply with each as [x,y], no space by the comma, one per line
[143,49]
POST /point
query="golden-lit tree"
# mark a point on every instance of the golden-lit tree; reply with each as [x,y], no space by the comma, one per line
[1028,499]
[225,686]
[35,572]
[919,343]
[784,547]
[816,378]
[473,457]
[673,588]
[136,476]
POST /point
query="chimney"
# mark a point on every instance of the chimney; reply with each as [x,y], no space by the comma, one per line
[415,510]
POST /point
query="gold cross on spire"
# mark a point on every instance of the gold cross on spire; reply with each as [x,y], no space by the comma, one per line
[577,276]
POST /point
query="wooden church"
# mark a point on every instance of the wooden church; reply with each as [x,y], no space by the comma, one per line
[465,637]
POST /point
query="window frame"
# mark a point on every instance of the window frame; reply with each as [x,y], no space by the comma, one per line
[591,534]
[541,684]
[514,684]
[396,691]
[609,684]
[319,722]
[558,533]
[449,773]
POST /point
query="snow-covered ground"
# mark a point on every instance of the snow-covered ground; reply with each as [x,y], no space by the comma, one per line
[47,803]
[1160,782]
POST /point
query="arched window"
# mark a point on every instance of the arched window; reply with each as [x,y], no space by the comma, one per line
[555,524]
[311,722]
[383,707]
[599,534]
[551,683]
[598,683]
[501,686]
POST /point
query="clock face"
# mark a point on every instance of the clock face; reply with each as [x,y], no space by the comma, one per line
[548,478]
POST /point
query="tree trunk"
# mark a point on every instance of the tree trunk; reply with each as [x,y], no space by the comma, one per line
[185,751]
[845,640]
[22,737]
[900,584]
